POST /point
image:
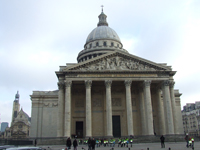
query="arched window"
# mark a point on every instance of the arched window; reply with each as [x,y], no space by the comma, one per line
[97,43]
[112,44]
[104,44]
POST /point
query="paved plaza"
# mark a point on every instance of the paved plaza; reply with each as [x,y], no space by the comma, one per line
[139,146]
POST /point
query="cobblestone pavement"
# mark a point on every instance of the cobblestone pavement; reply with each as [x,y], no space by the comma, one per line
[139,146]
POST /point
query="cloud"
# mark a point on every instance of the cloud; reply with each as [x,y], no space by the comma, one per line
[36,37]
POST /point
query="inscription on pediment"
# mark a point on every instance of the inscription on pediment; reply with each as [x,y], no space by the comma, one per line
[117,63]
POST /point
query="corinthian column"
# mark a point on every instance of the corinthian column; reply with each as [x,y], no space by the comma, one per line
[109,108]
[142,112]
[148,106]
[173,107]
[88,84]
[67,128]
[129,107]
[160,109]
[61,99]
[168,108]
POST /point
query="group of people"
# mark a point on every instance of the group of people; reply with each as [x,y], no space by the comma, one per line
[69,143]
[122,142]
[189,141]
[91,144]
[125,141]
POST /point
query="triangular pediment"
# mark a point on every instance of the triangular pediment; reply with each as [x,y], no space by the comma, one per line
[117,61]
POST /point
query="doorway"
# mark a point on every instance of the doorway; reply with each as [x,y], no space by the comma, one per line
[79,129]
[116,126]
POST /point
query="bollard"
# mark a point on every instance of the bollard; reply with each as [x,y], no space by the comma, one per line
[169,148]
[129,148]
[147,148]
[112,148]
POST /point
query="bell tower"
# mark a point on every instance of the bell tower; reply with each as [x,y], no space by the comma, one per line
[16,107]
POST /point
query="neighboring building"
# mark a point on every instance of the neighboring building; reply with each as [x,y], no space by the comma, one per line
[109,92]
[191,118]
[4,125]
[16,107]
[20,124]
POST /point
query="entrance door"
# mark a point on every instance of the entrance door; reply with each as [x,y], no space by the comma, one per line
[116,126]
[79,129]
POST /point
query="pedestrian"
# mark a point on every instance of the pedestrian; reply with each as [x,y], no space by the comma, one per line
[162,140]
[93,143]
[75,144]
[68,143]
[131,140]
[119,142]
[192,139]
[89,143]
[35,142]
[187,140]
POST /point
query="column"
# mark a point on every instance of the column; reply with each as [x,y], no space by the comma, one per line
[129,107]
[108,84]
[160,112]
[168,109]
[142,112]
[148,106]
[173,103]
[88,84]
[61,99]
[67,127]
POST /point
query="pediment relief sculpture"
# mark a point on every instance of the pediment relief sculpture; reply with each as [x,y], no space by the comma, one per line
[117,63]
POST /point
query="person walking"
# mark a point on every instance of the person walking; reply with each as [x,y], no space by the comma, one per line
[89,144]
[93,143]
[162,140]
[35,142]
[192,139]
[187,140]
[75,144]
[68,143]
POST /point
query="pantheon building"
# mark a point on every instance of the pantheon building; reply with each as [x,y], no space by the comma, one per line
[108,93]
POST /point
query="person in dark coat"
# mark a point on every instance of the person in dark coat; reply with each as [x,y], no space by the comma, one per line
[89,144]
[75,144]
[93,143]
[162,140]
[187,140]
[68,143]
[35,142]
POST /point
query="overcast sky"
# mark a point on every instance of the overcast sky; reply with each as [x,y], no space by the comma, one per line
[36,37]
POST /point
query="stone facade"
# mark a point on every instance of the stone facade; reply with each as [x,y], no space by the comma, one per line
[109,92]
[191,118]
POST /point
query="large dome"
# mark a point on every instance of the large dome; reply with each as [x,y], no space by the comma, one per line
[100,41]
[102,32]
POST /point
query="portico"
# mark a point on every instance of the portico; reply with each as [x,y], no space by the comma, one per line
[130,98]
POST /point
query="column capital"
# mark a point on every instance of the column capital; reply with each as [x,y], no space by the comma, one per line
[108,83]
[128,82]
[68,83]
[61,84]
[147,83]
[166,83]
[171,84]
[88,83]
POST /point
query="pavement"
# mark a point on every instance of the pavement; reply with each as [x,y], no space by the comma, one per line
[138,146]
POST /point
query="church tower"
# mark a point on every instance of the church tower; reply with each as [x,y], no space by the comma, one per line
[16,107]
